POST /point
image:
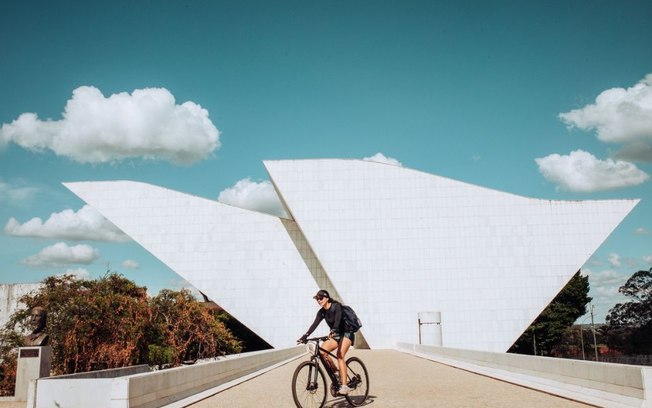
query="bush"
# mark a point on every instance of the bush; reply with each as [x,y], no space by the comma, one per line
[111,322]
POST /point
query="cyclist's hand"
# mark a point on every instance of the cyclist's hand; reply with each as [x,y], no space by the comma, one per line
[302,339]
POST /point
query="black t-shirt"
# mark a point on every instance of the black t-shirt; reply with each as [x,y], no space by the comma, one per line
[333,316]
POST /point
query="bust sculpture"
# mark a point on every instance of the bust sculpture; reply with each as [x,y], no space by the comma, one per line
[38,337]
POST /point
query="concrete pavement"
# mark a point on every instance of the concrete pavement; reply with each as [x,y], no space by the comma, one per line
[396,380]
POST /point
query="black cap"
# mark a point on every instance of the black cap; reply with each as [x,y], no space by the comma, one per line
[322,293]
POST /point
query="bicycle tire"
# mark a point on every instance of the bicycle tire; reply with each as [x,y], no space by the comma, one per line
[358,380]
[306,392]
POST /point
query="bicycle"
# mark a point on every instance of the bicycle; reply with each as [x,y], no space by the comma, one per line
[309,382]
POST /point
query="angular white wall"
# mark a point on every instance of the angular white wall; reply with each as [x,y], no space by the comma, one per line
[243,260]
[391,241]
[396,242]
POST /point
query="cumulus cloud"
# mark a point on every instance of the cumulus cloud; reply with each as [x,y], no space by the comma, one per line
[604,290]
[78,273]
[94,129]
[641,231]
[261,196]
[381,158]
[60,254]
[620,115]
[15,195]
[257,196]
[580,171]
[635,151]
[614,260]
[130,264]
[85,224]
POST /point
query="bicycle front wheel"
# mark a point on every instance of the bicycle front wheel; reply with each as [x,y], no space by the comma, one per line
[358,381]
[309,386]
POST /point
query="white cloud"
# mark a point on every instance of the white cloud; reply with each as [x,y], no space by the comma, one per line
[381,158]
[78,273]
[614,260]
[130,264]
[604,290]
[15,195]
[144,124]
[635,151]
[641,231]
[261,196]
[86,224]
[580,171]
[620,116]
[593,261]
[253,196]
[648,259]
[60,254]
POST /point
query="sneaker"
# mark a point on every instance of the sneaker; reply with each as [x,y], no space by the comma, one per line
[344,390]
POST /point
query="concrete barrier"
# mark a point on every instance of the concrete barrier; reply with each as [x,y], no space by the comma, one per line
[153,388]
[600,384]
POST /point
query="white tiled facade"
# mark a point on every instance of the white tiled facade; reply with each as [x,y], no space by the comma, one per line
[243,260]
[389,241]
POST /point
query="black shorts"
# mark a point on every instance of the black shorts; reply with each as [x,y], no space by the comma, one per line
[349,335]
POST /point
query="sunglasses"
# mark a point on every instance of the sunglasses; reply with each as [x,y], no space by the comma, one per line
[319,298]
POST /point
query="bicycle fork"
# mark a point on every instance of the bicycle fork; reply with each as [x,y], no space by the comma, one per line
[313,376]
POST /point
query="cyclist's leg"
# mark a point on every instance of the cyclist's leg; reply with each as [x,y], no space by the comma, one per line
[343,347]
[329,345]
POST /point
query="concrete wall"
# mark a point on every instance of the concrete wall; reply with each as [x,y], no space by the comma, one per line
[600,384]
[78,390]
[9,295]
[151,389]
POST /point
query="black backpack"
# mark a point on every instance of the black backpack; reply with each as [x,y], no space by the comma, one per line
[351,321]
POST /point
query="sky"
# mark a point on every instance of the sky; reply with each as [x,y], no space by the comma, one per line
[544,99]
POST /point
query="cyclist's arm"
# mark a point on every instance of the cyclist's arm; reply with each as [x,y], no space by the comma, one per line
[314,325]
[337,319]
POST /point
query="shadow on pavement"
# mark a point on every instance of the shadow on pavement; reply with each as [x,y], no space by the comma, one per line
[341,402]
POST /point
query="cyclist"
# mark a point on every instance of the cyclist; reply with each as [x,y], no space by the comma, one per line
[331,310]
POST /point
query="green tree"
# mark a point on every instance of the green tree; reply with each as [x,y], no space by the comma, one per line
[548,329]
[633,319]
[638,311]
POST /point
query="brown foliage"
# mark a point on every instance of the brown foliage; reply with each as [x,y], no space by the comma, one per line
[111,322]
[8,374]
[188,328]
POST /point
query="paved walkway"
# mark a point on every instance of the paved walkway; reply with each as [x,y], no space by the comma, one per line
[396,380]
[5,403]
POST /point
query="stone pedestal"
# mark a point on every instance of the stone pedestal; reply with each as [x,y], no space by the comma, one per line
[33,363]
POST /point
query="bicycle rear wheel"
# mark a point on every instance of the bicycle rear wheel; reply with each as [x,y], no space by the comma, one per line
[358,381]
[309,386]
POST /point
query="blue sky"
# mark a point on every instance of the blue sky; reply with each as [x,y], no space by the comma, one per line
[547,99]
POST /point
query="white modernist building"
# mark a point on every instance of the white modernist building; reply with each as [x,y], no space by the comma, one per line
[390,241]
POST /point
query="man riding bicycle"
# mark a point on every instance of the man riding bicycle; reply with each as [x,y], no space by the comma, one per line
[331,311]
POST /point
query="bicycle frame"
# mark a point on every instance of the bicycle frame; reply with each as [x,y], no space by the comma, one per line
[312,385]
[317,355]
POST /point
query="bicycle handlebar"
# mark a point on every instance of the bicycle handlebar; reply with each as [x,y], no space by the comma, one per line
[318,339]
